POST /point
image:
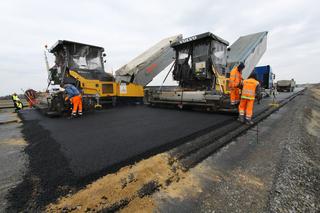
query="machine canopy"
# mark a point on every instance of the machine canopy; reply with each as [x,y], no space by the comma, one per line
[195,58]
[78,56]
[85,58]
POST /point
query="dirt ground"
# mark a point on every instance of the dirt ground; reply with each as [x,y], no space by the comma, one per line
[274,167]
[129,184]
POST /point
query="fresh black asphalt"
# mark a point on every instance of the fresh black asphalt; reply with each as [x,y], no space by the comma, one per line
[103,139]
[100,140]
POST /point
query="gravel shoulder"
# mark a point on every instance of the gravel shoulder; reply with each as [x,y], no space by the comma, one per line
[297,184]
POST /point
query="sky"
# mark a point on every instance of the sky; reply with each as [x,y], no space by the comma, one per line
[126,28]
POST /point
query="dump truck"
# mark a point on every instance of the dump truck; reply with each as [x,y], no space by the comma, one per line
[286,85]
[202,67]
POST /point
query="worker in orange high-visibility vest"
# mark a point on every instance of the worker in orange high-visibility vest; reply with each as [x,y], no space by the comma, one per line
[248,94]
[235,82]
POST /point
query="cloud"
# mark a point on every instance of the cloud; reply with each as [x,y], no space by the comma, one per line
[126,28]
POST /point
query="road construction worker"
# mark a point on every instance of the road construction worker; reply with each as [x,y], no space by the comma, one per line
[74,95]
[17,102]
[235,84]
[30,95]
[248,94]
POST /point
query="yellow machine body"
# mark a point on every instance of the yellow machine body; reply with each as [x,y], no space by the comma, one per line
[108,88]
[129,90]
[222,82]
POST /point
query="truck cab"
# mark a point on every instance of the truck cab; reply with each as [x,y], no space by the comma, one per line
[286,85]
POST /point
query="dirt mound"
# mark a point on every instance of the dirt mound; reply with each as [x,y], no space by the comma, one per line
[115,191]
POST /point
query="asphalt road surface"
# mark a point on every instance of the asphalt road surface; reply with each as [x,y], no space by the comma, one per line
[106,138]
[103,139]
[65,154]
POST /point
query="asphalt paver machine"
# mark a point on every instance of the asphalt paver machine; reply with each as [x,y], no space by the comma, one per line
[202,66]
[83,66]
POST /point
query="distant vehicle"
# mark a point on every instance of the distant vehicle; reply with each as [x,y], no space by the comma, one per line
[286,85]
[264,76]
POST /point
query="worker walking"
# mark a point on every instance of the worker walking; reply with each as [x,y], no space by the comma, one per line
[74,95]
[235,83]
[250,86]
[17,102]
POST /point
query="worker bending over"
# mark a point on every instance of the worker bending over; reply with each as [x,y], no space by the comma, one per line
[17,102]
[235,83]
[74,95]
[248,94]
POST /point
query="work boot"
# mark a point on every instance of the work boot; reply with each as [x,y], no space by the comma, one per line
[73,115]
[249,122]
[241,118]
[80,113]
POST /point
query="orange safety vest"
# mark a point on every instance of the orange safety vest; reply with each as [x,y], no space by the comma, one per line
[235,78]
[249,89]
